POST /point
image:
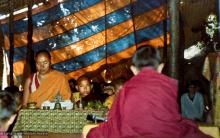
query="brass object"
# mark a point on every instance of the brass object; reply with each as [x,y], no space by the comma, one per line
[31,105]
[57,106]
[46,107]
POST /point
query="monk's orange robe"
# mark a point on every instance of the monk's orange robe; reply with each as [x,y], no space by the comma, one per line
[56,82]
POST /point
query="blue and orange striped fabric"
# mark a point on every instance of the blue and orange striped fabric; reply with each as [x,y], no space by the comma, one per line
[78,33]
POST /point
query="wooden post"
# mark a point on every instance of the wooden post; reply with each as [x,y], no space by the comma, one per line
[29,55]
[1,55]
[218,3]
[165,36]
[11,39]
[173,6]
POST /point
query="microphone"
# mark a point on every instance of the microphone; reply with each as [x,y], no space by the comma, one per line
[95,118]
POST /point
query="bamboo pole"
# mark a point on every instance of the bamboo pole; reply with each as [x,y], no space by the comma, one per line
[11,40]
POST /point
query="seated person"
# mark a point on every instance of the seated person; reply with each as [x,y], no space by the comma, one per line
[7,112]
[14,91]
[117,85]
[85,92]
[46,83]
[146,106]
[192,103]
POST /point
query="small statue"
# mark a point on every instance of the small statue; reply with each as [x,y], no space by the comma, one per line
[57,100]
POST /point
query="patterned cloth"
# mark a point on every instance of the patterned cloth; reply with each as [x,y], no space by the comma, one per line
[53,121]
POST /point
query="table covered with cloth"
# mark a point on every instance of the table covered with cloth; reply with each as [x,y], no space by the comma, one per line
[53,121]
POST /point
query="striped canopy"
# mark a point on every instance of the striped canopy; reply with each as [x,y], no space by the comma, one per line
[83,35]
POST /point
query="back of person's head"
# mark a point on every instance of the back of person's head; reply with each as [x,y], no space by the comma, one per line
[43,51]
[146,56]
[14,91]
[7,107]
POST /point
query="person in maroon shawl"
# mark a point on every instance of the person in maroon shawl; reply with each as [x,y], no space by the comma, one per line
[147,105]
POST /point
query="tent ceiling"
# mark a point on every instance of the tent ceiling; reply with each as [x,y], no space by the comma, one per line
[18,4]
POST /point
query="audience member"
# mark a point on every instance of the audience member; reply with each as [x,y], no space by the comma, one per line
[192,103]
[14,91]
[46,83]
[98,91]
[117,86]
[85,93]
[7,112]
[147,105]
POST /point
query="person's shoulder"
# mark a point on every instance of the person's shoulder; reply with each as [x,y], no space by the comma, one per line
[184,95]
[199,94]
[56,72]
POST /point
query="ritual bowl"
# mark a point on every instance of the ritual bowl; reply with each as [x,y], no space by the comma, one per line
[31,105]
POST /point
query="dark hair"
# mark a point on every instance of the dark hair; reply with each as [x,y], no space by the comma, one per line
[7,106]
[43,51]
[146,56]
[82,78]
[118,82]
[14,91]
[193,83]
[72,81]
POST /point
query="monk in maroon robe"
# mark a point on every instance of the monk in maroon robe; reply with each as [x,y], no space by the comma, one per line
[147,105]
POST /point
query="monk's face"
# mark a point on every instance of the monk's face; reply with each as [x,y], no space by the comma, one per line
[43,63]
[84,87]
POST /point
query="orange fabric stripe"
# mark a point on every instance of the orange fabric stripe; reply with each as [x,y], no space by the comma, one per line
[72,21]
[98,40]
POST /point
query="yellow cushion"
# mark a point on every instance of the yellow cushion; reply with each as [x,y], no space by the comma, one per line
[210,130]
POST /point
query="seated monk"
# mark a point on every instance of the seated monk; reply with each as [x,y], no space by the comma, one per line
[146,106]
[46,83]
[85,91]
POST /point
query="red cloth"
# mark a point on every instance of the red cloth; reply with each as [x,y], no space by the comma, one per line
[147,108]
[3,134]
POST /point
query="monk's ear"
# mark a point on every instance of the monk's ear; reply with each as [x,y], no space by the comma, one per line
[160,67]
[134,70]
